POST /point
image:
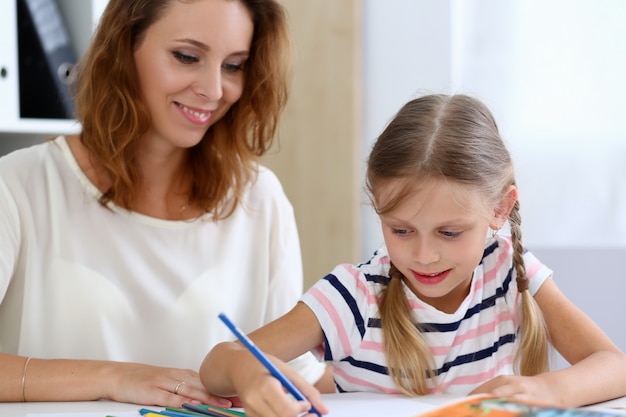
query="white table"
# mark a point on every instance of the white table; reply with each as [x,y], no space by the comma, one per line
[367,401]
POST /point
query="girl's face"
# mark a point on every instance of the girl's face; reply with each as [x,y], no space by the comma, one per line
[436,237]
[190,67]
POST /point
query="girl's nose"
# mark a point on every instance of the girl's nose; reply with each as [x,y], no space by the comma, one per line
[425,252]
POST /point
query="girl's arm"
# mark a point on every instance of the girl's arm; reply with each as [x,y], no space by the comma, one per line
[598,368]
[84,380]
[230,369]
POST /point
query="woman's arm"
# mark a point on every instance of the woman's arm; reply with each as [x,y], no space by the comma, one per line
[598,368]
[83,380]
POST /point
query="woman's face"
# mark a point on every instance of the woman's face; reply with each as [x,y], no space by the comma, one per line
[436,237]
[190,67]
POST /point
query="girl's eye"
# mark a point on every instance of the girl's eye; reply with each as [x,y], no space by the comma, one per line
[401,231]
[185,58]
[232,67]
[450,234]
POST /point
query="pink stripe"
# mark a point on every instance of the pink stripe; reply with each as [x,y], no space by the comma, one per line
[484,329]
[334,317]
[373,346]
[477,379]
[363,383]
[502,257]
[532,269]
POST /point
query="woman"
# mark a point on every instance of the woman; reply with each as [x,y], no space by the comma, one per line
[119,247]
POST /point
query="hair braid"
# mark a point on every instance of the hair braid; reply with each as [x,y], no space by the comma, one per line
[532,356]
[409,361]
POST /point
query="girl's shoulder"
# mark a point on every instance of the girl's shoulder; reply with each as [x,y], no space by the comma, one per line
[498,264]
[372,273]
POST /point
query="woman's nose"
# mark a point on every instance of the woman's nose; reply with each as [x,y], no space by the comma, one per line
[209,84]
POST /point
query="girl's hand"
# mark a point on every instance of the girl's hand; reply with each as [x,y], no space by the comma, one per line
[524,388]
[165,387]
[263,395]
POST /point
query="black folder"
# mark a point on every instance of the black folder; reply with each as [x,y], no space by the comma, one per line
[46,57]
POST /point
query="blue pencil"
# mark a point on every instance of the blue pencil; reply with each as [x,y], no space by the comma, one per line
[204,411]
[265,361]
[145,411]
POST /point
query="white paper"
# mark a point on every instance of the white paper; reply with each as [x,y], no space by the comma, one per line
[361,404]
[94,414]
[367,404]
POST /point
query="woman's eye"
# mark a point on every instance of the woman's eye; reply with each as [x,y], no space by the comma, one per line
[232,67]
[185,58]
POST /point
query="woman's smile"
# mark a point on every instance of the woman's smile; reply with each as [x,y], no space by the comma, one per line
[195,115]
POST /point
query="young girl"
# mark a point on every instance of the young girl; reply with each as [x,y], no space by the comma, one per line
[446,305]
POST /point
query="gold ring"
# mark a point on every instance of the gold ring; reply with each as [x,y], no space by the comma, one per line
[178,386]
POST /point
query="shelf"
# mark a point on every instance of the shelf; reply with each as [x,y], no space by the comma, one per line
[81,17]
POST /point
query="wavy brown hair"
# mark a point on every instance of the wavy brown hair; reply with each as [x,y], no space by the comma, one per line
[456,138]
[113,115]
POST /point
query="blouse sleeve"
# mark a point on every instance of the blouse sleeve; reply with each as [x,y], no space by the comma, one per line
[9,237]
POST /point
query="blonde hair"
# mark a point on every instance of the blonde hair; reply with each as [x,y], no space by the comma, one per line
[113,115]
[456,138]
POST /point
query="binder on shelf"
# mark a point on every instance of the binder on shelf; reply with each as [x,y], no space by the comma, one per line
[45,56]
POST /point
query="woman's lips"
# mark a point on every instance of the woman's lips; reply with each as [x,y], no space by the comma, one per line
[195,115]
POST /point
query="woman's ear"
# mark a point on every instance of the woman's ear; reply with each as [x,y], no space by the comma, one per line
[503,208]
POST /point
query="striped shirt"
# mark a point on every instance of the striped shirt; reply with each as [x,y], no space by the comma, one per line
[469,346]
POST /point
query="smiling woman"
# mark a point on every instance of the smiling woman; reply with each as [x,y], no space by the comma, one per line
[158,216]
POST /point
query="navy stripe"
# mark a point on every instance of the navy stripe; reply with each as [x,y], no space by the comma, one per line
[328,354]
[489,250]
[350,302]
[378,279]
[369,261]
[478,355]
[373,367]
[374,323]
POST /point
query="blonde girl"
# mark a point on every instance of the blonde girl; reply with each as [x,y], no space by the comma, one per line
[446,305]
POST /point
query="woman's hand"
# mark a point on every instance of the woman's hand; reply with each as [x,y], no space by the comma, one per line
[165,387]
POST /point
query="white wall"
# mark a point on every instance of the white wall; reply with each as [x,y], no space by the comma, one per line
[553,74]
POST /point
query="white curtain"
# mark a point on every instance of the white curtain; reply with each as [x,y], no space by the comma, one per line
[554,74]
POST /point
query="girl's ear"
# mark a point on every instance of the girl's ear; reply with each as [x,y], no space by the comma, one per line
[503,208]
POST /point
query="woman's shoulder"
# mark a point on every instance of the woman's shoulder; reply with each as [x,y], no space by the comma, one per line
[265,185]
[26,160]
[266,179]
